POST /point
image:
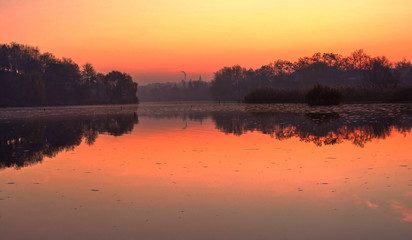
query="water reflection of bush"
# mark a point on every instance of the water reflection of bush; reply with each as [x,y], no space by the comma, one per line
[319,128]
[23,143]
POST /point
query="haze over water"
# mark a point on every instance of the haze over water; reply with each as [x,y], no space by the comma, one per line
[206,171]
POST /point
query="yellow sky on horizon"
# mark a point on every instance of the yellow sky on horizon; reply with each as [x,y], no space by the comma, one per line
[152,38]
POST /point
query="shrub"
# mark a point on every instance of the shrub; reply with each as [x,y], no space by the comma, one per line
[322,95]
[401,95]
[270,95]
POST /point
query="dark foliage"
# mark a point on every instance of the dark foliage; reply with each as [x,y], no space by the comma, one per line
[31,78]
[381,75]
[324,96]
[270,95]
[197,90]
[357,71]
[401,95]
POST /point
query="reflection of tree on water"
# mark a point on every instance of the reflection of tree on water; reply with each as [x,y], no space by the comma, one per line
[23,143]
[357,123]
[319,128]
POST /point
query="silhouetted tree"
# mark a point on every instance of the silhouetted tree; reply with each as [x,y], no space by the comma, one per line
[122,87]
[404,72]
[62,80]
[89,75]
[194,90]
[31,89]
[29,78]
[226,83]
[381,75]
[359,77]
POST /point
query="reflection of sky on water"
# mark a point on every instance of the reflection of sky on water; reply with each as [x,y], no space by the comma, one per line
[402,210]
[27,140]
[188,175]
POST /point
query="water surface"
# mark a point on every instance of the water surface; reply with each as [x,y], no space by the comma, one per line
[206,171]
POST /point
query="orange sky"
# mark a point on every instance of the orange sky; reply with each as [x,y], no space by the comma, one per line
[154,40]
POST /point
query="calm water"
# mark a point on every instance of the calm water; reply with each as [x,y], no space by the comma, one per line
[206,171]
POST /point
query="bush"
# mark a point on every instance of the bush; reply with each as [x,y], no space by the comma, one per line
[322,95]
[270,95]
[401,95]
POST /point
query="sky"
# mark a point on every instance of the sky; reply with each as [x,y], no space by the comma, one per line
[155,40]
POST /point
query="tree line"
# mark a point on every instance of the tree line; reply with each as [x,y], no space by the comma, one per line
[31,78]
[192,90]
[357,73]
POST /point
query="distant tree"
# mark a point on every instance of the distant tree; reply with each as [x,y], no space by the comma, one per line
[282,67]
[4,58]
[359,60]
[23,59]
[264,76]
[226,83]
[31,90]
[403,71]
[381,75]
[193,90]
[30,78]
[8,89]
[318,73]
[62,80]
[333,60]
[47,59]
[122,87]
[89,75]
